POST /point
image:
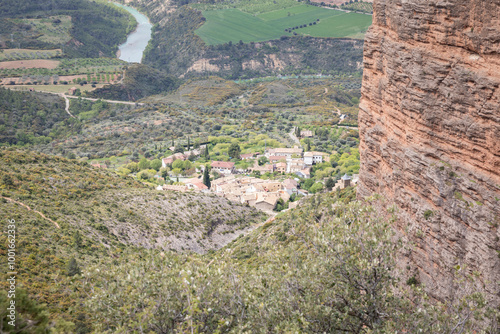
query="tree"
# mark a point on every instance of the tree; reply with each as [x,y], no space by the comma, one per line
[156,164]
[77,239]
[207,154]
[234,151]
[318,186]
[262,161]
[179,148]
[177,172]
[330,183]
[206,178]
[164,173]
[7,180]
[73,268]
[133,167]
[178,163]
[143,164]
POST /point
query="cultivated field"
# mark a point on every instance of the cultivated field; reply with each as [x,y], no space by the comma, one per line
[234,25]
[39,63]
[21,54]
[54,29]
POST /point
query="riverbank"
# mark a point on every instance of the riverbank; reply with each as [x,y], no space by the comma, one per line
[133,49]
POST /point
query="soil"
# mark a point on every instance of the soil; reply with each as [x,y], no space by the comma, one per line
[38,63]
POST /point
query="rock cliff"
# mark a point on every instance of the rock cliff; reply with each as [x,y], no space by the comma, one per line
[430,134]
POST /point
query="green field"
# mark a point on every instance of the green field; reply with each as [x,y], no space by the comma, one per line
[234,25]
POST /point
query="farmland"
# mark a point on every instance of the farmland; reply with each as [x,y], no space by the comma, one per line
[233,25]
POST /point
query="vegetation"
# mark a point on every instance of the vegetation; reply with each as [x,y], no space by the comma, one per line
[101,216]
[233,25]
[28,118]
[175,47]
[140,81]
[96,27]
[358,6]
[326,267]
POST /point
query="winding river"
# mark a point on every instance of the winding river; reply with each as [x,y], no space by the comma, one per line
[133,49]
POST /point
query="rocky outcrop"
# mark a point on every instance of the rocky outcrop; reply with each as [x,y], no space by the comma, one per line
[430,134]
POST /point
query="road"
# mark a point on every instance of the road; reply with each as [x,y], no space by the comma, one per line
[294,138]
[109,101]
[66,98]
[67,104]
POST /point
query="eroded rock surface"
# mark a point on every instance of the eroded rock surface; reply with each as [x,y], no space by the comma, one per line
[430,134]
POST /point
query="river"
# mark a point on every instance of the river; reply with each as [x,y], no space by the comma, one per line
[133,49]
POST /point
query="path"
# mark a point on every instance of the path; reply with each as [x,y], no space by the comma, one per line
[29,209]
[109,101]
[294,138]
[67,104]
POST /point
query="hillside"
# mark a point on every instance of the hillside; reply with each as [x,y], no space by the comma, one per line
[65,209]
[83,28]
[325,267]
[177,48]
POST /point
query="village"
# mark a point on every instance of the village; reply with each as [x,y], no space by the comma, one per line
[245,187]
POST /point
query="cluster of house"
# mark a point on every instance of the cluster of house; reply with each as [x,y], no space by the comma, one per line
[291,161]
[182,156]
[193,184]
[261,194]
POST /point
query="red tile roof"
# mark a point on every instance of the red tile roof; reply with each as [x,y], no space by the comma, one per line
[223,164]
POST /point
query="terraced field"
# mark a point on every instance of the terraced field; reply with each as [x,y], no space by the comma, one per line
[233,25]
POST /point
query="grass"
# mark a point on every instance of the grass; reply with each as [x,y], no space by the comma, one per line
[348,25]
[76,66]
[359,6]
[233,25]
[56,33]
[21,54]
[55,88]
[252,7]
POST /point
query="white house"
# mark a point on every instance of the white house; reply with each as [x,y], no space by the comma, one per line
[312,158]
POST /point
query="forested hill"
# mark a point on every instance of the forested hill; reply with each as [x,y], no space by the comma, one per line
[176,48]
[97,27]
[71,216]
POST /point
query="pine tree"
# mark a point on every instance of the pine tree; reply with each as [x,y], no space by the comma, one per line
[77,239]
[73,268]
[234,151]
[330,183]
[206,178]
[207,154]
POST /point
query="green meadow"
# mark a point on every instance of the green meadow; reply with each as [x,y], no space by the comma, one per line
[233,25]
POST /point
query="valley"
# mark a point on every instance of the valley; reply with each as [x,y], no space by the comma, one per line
[235,166]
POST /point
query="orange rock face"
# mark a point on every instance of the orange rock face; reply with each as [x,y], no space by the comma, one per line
[430,134]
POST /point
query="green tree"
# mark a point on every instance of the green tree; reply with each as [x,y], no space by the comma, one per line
[262,161]
[156,164]
[318,186]
[179,148]
[207,154]
[186,165]
[7,180]
[177,172]
[330,183]
[30,316]
[133,167]
[234,151]
[206,178]
[178,163]
[73,268]
[164,173]
[143,164]
[77,239]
